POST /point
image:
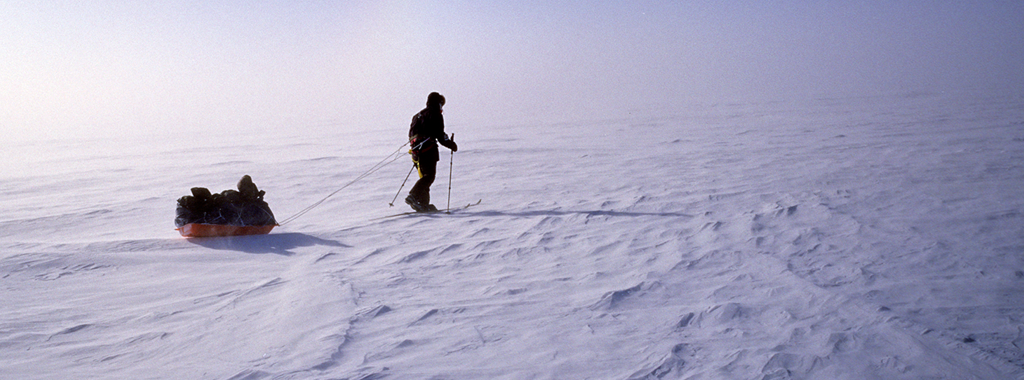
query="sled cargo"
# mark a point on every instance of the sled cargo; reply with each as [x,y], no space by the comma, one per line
[228,213]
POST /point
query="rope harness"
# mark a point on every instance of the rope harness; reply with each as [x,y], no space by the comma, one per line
[394,156]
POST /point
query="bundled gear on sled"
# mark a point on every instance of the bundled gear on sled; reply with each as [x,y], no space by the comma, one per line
[228,213]
[425,132]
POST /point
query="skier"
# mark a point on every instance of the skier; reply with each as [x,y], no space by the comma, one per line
[425,132]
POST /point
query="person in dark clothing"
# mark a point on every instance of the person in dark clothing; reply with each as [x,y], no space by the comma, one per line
[425,132]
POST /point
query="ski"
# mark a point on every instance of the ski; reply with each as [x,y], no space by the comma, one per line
[433,212]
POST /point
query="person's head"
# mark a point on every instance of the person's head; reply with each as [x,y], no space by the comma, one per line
[435,100]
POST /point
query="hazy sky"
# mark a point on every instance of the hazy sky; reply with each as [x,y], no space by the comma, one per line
[95,67]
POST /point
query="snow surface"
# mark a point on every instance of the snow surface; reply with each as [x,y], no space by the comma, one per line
[847,238]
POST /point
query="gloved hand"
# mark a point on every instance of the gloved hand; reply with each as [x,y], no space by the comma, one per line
[450,144]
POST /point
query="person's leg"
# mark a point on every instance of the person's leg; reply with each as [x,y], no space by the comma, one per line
[420,192]
[428,171]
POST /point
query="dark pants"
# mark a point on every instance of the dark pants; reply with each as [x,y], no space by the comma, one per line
[426,162]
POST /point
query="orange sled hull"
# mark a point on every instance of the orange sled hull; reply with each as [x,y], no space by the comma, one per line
[216,230]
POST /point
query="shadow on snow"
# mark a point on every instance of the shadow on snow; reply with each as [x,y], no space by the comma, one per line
[281,244]
[566,213]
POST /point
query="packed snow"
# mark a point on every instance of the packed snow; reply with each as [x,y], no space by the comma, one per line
[837,238]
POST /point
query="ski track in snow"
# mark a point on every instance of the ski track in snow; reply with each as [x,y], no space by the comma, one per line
[841,238]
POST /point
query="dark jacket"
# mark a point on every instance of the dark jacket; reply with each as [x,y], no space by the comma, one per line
[427,130]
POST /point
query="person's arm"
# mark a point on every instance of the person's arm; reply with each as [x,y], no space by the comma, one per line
[439,135]
[449,142]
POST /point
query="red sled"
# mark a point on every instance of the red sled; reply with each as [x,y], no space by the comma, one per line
[220,230]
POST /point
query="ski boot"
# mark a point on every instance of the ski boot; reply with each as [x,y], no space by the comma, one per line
[415,204]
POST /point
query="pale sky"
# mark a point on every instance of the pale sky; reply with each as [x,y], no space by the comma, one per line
[93,68]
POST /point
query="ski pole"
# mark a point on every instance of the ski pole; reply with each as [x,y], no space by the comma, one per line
[392,204]
[451,164]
